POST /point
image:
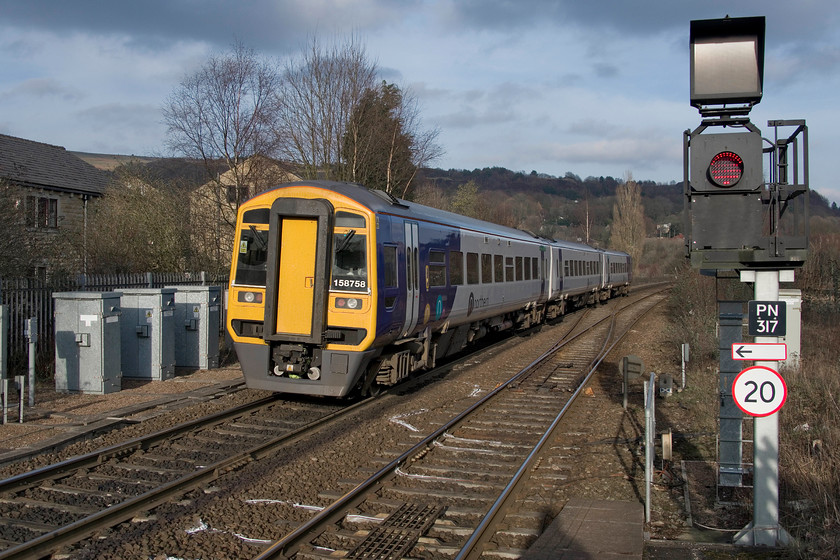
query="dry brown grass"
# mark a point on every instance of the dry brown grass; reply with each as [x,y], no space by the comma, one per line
[809,452]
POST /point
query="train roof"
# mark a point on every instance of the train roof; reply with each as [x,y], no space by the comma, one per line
[382,202]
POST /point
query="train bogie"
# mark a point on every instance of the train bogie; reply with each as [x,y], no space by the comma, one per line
[335,287]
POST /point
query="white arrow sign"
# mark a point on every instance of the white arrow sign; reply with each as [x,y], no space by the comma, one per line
[772,352]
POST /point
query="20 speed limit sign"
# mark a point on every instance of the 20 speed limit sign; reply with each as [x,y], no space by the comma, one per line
[759,391]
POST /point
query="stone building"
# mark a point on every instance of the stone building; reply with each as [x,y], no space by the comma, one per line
[213,205]
[49,191]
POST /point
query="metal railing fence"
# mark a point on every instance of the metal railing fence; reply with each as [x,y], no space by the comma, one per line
[32,297]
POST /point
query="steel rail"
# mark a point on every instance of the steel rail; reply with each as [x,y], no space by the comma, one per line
[77,531]
[20,481]
[289,544]
[471,549]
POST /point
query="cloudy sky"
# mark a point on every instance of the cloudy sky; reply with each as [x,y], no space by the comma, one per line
[592,87]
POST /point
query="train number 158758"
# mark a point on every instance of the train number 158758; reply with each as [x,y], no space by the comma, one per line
[355,285]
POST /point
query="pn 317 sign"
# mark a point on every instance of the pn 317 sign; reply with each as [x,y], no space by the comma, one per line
[767,318]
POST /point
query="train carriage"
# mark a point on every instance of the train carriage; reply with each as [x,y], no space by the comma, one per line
[617,274]
[335,287]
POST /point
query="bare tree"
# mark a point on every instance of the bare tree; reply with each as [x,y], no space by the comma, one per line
[320,92]
[141,225]
[628,226]
[338,123]
[225,111]
[18,250]
[224,114]
[421,144]
[429,194]
[468,202]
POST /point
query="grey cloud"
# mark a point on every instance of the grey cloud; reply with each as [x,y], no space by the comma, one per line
[815,63]
[786,21]
[154,24]
[591,127]
[42,88]
[120,128]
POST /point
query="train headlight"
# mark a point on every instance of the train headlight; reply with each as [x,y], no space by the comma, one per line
[250,297]
[348,303]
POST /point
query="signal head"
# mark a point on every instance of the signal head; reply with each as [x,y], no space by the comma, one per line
[726,163]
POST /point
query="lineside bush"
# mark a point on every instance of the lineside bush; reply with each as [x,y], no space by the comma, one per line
[809,452]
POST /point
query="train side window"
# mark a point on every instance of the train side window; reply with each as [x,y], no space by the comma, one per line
[456,268]
[437,268]
[499,268]
[535,268]
[526,268]
[486,268]
[509,269]
[518,268]
[389,256]
[472,268]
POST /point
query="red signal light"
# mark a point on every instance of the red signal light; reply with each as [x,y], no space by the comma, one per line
[726,169]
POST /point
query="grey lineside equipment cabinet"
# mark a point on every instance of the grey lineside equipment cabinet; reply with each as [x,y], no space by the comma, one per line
[197,316]
[148,333]
[87,342]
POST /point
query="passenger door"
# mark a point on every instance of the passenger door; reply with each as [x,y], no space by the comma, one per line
[297,269]
[412,277]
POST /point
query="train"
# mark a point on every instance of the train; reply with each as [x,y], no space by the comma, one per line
[337,289]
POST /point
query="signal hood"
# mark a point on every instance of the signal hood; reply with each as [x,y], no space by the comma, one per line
[727,63]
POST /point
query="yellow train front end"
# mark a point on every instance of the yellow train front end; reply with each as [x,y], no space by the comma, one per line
[302,299]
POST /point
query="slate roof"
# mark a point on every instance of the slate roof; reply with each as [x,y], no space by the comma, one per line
[35,164]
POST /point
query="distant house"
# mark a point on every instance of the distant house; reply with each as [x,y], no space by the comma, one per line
[213,205]
[53,189]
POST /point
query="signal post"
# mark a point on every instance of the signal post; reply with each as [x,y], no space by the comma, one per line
[738,220]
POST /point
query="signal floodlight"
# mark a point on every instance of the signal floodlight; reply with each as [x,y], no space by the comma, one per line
[727,62]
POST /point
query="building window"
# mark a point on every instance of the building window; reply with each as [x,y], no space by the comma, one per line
[237,195]
[41,212]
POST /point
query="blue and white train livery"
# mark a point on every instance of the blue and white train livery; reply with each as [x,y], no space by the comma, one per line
[335,287]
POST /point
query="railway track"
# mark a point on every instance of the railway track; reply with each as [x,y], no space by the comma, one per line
[453,493]
[457,471]
[55,506]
